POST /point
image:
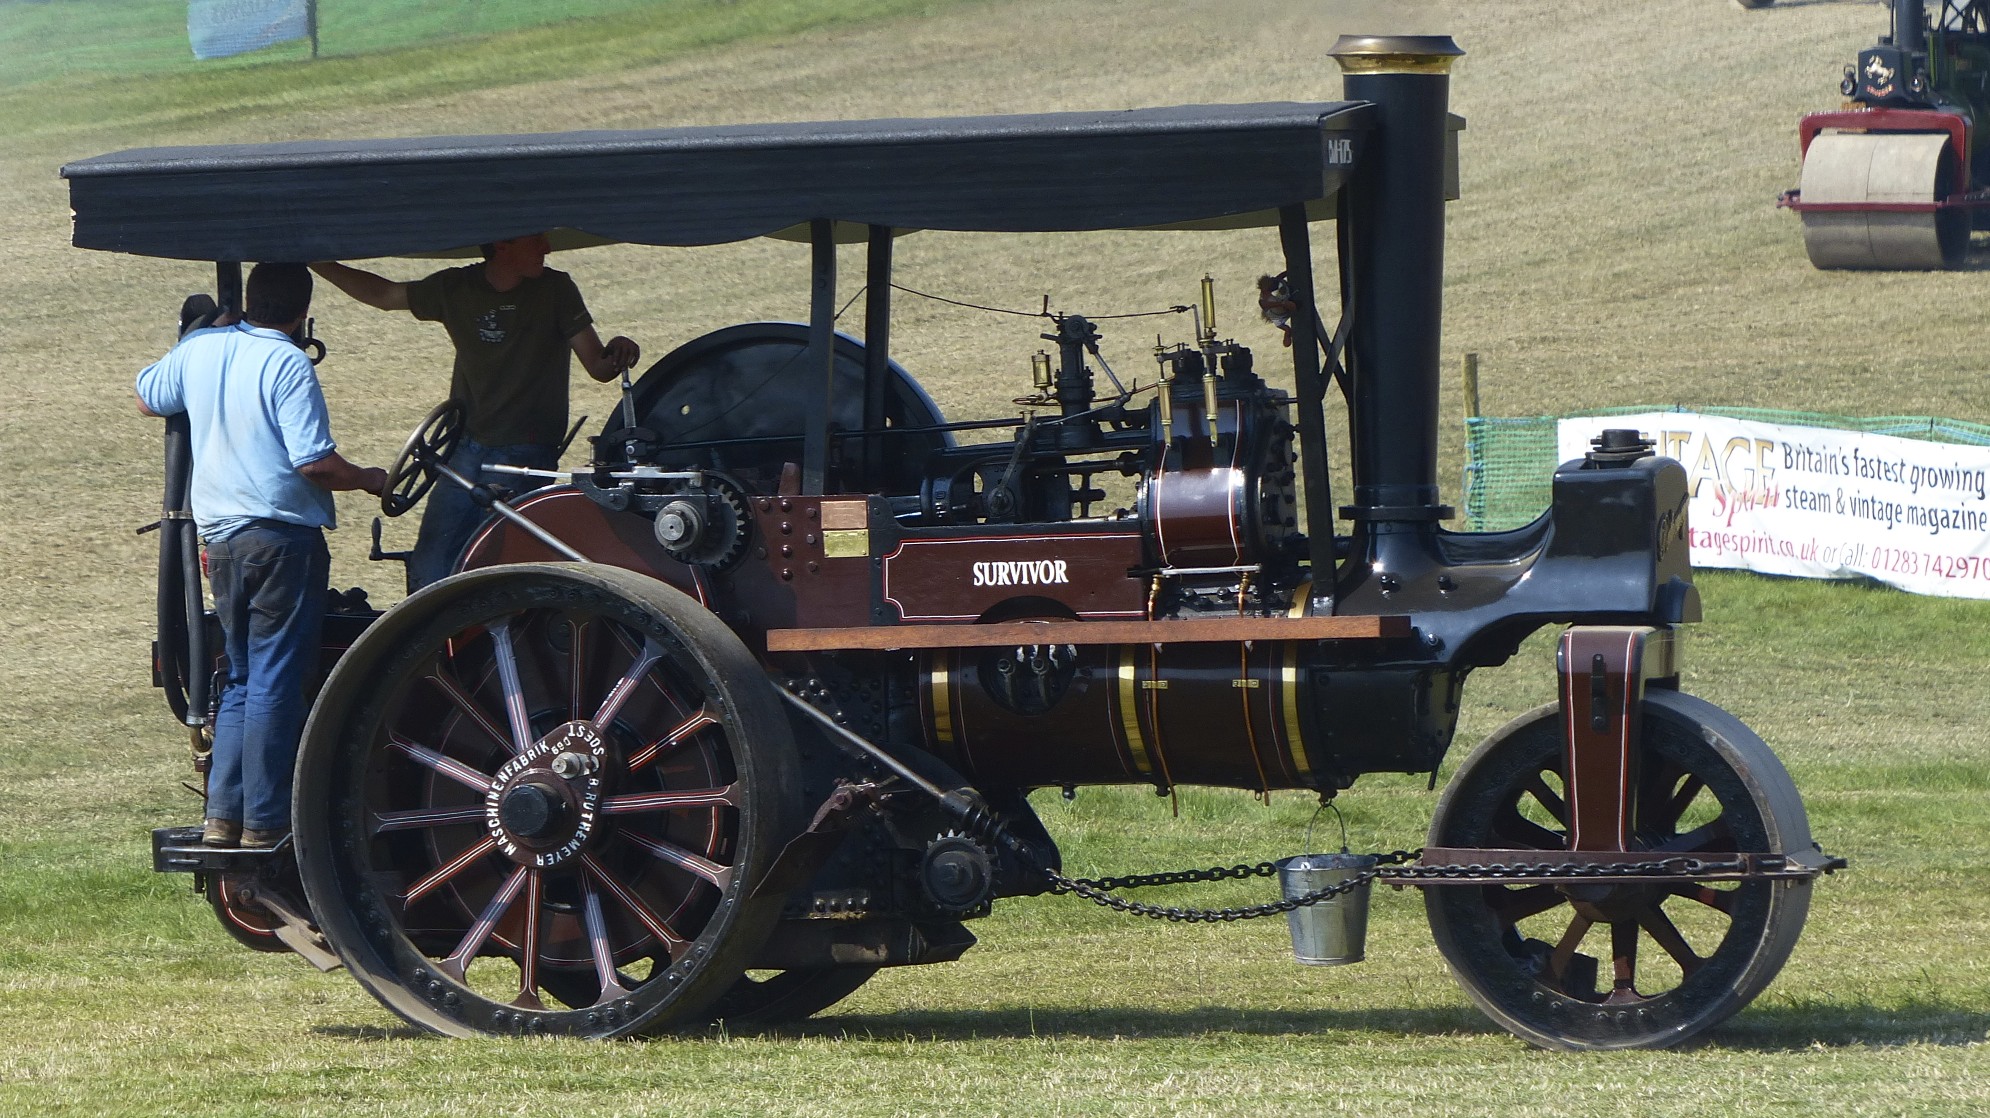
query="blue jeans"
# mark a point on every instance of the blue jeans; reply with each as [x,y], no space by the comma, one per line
[269,587]
[452,515]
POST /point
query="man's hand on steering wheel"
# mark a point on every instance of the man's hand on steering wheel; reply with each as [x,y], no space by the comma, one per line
[413,471]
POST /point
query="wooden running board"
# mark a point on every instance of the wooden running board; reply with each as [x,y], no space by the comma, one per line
[1215,630]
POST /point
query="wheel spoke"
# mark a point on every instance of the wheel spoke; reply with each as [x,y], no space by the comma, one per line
[448,766]
[597,943]
[514,689]
[426,817]
[1707,836]
[458,961]
[1720,900]
[1654,810]
[671,801]
[576,667]
[1515,905]
[1524,834]
[449,869]
[629,647]
[1558,962]
[454,692]
[677,736]
[528,949]
[1547,797]
[626,686]
[634,904]
[1623,962]
[1683,798]
[711,871]
[1666,935]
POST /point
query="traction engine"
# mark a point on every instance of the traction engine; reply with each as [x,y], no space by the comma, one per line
[750,706]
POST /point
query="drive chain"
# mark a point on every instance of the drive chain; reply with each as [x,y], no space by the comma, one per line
[1101,890]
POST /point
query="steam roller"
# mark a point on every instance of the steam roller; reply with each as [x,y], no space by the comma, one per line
[1891,180]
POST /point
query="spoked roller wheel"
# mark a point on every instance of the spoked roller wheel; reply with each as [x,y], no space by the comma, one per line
[1882,168]
[1622,966]
[536,799]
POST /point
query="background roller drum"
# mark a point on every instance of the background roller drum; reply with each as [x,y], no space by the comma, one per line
[1881,168]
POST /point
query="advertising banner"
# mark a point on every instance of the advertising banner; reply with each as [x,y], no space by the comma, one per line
[1821,503]
[219,28]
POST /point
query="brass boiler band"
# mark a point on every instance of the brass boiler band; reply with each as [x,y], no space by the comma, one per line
[1216,503]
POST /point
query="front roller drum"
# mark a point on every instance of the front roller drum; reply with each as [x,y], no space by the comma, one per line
[1629,964]
[536,799]
[1879,169]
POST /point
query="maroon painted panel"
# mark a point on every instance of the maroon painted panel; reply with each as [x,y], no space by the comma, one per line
[961,578]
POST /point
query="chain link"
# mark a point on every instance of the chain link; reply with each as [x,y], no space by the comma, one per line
[1100,890]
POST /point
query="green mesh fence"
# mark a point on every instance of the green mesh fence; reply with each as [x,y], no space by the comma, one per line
[1510,461]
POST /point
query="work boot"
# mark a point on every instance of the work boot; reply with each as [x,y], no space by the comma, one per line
[262,840]
[221,832]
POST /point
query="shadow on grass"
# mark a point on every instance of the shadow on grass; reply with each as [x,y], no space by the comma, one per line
[1780,1028]
[1769,1028]
[372,1032]
[1853,1025]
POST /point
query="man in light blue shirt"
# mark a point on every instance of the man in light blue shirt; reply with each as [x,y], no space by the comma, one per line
[264,470]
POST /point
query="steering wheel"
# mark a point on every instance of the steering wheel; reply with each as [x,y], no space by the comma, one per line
[408,480]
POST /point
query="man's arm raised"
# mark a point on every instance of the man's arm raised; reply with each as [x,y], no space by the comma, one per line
[375,291]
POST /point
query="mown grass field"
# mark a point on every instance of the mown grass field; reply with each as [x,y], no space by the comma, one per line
[1617,243]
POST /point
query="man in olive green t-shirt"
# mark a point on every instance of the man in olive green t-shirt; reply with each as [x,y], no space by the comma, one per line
[513,321]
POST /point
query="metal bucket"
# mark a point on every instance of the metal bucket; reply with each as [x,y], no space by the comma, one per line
[1334,931]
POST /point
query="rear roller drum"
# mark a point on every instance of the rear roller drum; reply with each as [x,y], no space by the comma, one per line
[536,799]
[1622,966]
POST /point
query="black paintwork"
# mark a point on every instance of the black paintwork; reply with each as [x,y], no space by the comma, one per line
[318,200]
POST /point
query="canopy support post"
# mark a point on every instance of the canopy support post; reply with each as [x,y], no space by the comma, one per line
[228,285]
[821,350]
[877,352]
[1295,239]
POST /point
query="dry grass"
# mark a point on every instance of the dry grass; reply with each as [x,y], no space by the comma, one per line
[1617,243]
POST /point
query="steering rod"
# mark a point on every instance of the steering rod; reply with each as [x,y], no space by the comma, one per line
[485,498]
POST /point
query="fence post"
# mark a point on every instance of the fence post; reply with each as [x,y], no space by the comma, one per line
[1471,386]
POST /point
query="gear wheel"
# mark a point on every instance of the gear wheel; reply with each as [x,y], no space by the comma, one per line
[707,526]
[956,874]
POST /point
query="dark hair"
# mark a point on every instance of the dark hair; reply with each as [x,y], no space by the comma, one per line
[488,248]
[279,294]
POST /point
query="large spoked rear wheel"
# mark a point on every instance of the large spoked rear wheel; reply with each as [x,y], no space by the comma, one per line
[1625,966]
[537,798]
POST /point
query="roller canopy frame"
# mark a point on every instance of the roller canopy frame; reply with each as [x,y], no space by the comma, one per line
[1195,166]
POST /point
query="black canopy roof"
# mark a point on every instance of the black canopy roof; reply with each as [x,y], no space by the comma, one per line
[1197,165]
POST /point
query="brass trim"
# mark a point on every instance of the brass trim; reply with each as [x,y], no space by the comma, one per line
[1129,710]
[1395,54]
[1302,599]
[845,515]
[943,702]
[1289,701]
[846,543]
